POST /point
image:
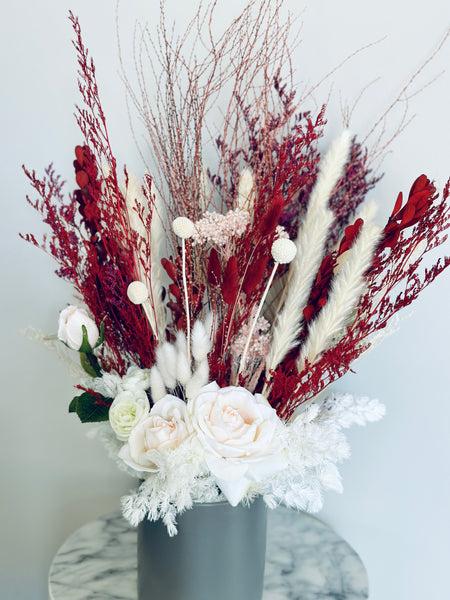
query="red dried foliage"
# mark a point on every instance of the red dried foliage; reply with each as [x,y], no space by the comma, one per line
[100,253]
[321,287]
[170,269]
[214,268]
[230,281]
[90,235]
[350,234]
[270,219]
[319,292]
[420,198]
[393,283]
[255,273]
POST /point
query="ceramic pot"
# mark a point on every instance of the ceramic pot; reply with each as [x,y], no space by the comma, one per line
[218,553]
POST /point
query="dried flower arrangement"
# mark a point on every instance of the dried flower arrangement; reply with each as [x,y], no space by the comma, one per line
[221,301]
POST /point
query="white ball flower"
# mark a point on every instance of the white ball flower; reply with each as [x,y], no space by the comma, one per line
[137,292]
[70,331]
[127,411]
[183,227]
[164,429]
[283,250]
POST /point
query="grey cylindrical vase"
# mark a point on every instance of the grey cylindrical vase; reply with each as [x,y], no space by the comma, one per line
[218,553]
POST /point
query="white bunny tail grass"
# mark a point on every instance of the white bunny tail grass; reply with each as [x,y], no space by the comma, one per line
[199,378]
[310,244]
[166,361]
[184,372]
[201,341]
[157,386]
[346,289]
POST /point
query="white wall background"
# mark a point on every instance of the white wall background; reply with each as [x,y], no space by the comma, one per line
[395,508]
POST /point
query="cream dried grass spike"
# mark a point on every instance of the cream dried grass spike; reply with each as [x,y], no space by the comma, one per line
[310,244]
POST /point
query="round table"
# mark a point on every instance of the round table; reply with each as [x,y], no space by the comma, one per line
[306,560]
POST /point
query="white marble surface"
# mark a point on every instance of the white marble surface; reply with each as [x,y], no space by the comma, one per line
[306,560]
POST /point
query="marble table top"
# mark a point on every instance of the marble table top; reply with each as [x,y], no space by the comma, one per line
[306,560]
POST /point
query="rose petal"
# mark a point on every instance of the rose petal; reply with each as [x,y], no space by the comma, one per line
[125,455]
[234,490]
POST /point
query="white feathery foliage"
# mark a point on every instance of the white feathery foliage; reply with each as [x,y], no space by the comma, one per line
[310,244]
[108,385]
[180,481]
[345,410]
[346,289]
[314,446]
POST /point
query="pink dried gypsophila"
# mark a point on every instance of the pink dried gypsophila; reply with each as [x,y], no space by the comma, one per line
[220,229]
[260,342]
[281,233]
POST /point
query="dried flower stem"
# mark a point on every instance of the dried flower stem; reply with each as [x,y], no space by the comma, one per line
[255,319]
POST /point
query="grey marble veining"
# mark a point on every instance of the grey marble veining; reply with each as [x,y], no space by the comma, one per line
[306,560]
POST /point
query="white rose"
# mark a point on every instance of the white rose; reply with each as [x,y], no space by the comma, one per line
[164,429]
[241,435]
[127,411]
[136,379]
[70,330]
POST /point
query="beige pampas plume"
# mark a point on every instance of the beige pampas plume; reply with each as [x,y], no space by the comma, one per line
[346,289]
[156,240]
[310,244]
[135,200]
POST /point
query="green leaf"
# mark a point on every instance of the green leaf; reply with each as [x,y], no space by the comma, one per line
[101,339]
[89,363]
[90,408]
[85,345]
